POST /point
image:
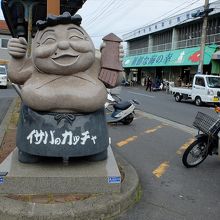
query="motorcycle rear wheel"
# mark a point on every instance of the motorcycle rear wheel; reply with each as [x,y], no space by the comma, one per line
[128,119]
[195,154]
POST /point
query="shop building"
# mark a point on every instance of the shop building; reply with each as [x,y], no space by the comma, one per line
[170,48]
[4,38]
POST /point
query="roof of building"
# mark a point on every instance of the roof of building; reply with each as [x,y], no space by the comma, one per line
[4,27]
[170,22]
[18,22]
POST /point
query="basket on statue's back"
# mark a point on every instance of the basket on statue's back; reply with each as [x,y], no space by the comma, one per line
[206,123]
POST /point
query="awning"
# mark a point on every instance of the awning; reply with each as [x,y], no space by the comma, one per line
[183,57]
[216,55]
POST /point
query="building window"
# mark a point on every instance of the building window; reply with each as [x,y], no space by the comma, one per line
[178,19]
[187,16]
[155,26]
[170,21]
[149,28]
[4,43]
[162,24]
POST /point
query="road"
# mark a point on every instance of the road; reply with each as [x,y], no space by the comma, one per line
[6,97]
[169,190]
[163,105]
[154,147]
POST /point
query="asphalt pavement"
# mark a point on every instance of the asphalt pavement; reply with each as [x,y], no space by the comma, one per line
[6,98]
[154,145]
[161,104]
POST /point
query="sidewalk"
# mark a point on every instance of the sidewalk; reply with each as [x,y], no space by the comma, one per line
[8,129]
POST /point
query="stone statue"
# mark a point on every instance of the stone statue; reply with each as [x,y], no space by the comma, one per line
[62,96]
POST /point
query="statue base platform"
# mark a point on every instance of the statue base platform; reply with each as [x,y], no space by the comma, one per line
[98,205]
[54,176]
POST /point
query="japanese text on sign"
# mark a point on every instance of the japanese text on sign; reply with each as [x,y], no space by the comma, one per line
[44,137]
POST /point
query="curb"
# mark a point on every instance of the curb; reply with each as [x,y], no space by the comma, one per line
[99,206]
[174,124]
[5,122]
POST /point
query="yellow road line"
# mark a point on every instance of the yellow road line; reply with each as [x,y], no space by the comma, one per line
[185,146]
[133,138]
[128,140]
[148,131]
[161,169]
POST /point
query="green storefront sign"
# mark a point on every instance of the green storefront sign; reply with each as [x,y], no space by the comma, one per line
[183,57]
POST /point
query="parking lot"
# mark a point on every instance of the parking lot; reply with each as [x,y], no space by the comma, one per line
[154,147]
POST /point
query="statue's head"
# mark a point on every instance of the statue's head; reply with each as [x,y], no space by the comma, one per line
[61,46]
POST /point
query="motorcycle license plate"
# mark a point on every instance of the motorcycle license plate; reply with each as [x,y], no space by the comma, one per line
[215,99]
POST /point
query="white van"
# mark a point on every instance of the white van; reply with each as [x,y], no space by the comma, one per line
[3,77]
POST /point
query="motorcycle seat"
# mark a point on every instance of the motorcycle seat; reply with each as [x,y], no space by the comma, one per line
[122,105]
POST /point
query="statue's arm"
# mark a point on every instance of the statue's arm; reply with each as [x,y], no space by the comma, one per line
[19,65]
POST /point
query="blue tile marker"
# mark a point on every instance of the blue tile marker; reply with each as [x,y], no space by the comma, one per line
[114,179]
[1,180]
[2,174]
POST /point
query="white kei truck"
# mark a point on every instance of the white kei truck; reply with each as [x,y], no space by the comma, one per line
[204,89]
[3,77]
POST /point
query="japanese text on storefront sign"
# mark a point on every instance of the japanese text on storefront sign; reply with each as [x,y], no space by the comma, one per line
[151,60]
[186,56]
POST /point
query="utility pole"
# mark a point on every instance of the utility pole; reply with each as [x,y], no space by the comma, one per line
[203,37]
[53,7]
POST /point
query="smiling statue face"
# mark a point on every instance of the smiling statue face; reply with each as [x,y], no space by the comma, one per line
[63,49]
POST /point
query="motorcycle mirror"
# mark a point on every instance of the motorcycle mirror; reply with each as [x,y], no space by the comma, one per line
[136,102]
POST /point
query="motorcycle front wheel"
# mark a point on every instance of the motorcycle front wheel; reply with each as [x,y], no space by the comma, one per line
[195,154]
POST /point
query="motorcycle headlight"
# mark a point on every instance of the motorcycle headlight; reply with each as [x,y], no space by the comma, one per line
[210,92]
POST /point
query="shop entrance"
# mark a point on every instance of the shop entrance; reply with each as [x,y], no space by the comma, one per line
[159,73]
[185,75]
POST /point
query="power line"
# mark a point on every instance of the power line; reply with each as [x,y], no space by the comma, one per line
[132,29]
[166,14]
[97,11]
[106,7]
[185,7]
[110,11]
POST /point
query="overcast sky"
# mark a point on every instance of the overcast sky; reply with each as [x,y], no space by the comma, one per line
[122,16]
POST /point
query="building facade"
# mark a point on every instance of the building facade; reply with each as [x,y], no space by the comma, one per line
[4,38]
[170,48]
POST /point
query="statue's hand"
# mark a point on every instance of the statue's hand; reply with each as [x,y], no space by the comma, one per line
[17,47]
[102,46]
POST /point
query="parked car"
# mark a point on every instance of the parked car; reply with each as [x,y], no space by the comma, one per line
[3,77]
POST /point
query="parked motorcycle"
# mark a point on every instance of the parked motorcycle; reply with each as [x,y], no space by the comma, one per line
[206,142]
[112,99]
[120,111]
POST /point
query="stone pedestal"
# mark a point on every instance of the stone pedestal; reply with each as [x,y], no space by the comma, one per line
[52,176]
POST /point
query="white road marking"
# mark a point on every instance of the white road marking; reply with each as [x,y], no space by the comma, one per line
[142,94]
